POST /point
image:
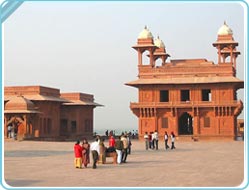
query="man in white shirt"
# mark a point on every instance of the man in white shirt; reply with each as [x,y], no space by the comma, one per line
[94,147]
[146,138]
[156,139]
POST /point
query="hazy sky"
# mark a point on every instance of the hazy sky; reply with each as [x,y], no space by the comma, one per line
[86,46]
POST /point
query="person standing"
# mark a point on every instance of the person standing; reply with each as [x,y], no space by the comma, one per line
[94,147]
[111,141]
[150,140]
[172,140]
[9,129]
[119,147]
[125,148]
[78,155]
[129,144]
[153,140]
[156,139]
[146,138]
[166,138]
[85,152]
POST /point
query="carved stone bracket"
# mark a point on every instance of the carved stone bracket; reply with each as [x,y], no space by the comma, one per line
[148,112]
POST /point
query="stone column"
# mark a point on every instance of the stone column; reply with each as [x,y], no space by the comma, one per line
[139,57]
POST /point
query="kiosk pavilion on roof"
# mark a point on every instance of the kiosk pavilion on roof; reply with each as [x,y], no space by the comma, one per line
[189,96]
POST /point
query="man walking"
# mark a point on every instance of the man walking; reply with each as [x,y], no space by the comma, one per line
[94,147]
[166,138]
[119,147]
[156,139]
[146,138]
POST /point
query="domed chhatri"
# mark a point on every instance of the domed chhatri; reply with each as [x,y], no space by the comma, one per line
[20,103]
[145,34]
[225,30]
[159,43]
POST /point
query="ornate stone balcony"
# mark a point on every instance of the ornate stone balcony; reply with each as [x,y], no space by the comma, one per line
[185,104]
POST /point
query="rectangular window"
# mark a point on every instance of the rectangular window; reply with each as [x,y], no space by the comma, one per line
[88,125]
[73,126]
[206,121]
[49,126]
[40,127]
[63,128]
[165,122]
[164,96]
[206,95]
[185,95]
[44,125]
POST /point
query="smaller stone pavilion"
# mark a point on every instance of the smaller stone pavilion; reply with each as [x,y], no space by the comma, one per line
[43,113]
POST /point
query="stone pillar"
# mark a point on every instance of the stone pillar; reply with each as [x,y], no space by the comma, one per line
[151,58]
[5,127]
[176,125]
[139,57]
[196,127]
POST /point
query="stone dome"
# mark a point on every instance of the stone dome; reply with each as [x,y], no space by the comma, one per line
[20,103]
[159,43]
[225,30]
[145,34]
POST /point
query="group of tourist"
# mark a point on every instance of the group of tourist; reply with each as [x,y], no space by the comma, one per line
[132,134]
[121,146]
[81,153]
[151,140]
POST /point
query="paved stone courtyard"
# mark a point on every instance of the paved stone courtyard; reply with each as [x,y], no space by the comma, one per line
[191,164]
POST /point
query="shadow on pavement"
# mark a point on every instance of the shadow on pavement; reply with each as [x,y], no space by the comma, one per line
[20,183]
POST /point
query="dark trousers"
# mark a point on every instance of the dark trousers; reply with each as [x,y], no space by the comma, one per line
[156,141]
[95,158]
[173,145]
[166,144]
[129,149]
[124,155]
[153,144]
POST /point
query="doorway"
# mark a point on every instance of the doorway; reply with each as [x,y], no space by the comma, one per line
[185,124]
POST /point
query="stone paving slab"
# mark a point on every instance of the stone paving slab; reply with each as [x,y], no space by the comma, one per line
[191,164]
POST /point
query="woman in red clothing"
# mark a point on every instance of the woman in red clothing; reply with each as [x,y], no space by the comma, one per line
[85,152]
[111,141]
[78,155]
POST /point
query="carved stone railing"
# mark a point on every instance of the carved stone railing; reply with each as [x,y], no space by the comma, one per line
[185,104]
[175,71]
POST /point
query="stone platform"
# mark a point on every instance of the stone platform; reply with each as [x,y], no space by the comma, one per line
[191,164]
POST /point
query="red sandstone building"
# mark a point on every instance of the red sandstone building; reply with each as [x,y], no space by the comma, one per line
[39,112]
[189,96]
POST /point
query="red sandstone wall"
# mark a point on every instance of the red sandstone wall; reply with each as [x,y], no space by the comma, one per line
[50,116]
[83,117]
